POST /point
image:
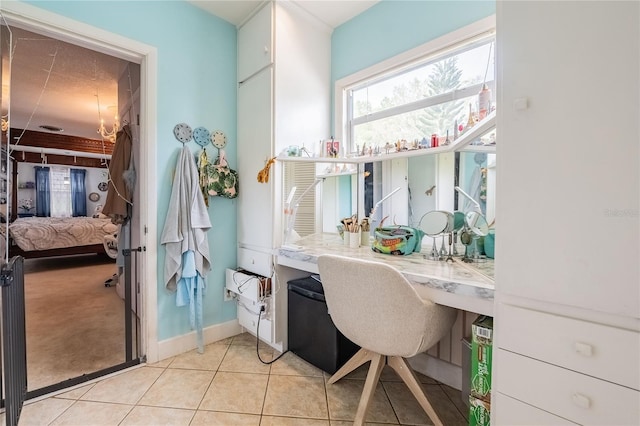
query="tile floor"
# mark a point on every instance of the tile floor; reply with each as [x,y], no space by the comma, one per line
[228,385]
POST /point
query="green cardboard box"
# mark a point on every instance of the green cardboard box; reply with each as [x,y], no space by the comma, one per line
[481,356]
[479,412]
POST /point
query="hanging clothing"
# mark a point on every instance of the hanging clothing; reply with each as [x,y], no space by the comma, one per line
[190,289]
[121,178]
[185,238]
[203,161]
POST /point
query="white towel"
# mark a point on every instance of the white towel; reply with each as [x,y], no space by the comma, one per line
[187,222]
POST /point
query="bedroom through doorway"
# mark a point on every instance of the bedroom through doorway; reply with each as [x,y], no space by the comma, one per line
[82,269]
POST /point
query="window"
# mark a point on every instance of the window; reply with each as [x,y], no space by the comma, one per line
[432,94]
[60,181]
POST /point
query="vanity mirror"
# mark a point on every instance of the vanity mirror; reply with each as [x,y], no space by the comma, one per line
[434,224]
[475,227]
[475,178]
[476,223]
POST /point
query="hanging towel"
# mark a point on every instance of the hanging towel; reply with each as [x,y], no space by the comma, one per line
[186,226]
[190,289]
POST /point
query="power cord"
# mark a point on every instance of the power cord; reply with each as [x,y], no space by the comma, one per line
[262,309]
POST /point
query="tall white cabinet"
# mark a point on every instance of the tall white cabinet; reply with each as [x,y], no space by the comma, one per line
[567,322]
[284,58]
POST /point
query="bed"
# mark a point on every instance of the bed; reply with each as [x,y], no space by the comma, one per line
[33,237]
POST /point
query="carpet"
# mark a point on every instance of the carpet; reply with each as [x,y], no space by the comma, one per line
[74,324]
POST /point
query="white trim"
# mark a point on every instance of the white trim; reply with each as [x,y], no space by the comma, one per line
[187,342]
[474,29]
[39,20]
[437,369]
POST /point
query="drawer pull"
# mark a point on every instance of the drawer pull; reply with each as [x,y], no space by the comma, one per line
[581,400]
[583,349]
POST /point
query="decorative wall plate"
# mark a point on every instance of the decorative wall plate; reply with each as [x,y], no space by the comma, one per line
[102,186]
[183,132]
[218,139]
[94,196]
[201,136]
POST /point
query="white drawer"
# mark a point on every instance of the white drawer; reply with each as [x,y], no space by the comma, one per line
[252,287]
[597,350]
[255,261]
[248,311]
[511,412]
[573,396]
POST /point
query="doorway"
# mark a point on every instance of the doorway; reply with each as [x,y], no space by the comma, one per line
[137,268]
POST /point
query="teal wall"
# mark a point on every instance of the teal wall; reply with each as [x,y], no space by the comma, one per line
[196,85]
[394,26]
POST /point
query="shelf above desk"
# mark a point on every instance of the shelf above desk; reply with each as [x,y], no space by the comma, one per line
[452,284]
[463,143]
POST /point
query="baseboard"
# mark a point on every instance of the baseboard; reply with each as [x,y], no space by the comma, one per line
[186,342]
[437,369]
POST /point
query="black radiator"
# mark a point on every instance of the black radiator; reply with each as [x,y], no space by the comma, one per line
[14,338]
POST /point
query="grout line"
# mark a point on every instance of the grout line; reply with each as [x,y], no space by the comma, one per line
[452,403]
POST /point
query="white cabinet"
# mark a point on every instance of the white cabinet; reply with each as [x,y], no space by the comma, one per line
[255,49]
[255,199]
[516,413]
[284,59]
[567,298]
[586,347]
[577,397]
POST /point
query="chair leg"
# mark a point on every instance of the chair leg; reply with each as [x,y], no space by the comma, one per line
[405,372]
[360,357]
[377,363]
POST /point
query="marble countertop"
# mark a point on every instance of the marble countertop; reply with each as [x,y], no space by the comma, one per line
[457,278]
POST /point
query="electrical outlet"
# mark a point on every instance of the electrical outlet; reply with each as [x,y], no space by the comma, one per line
[228,295]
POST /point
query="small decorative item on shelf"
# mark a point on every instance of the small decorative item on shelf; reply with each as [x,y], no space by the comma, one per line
[333,148]
[471,121]
[484,102]
[434,140]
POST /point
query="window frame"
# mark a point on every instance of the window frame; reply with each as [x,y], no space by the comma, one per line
[438,47]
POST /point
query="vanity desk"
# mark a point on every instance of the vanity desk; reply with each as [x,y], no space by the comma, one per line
[470,289]
[455,284]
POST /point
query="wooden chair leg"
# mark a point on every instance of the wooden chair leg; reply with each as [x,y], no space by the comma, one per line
[360,357]
[406,373]
[377,363]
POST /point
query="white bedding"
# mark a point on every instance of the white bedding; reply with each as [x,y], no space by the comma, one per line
[43,233]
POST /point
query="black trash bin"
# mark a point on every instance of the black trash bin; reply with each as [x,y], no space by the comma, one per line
[312,334]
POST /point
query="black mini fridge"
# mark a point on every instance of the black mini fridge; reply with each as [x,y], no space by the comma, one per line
[312,334]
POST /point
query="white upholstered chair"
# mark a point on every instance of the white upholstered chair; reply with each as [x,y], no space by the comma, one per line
[375,306]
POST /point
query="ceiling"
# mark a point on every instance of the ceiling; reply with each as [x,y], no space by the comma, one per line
[53,83]
[331,12]
[58,84]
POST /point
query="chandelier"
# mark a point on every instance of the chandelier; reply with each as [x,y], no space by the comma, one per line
[109,135]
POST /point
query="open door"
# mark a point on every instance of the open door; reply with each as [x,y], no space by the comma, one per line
[87,344]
